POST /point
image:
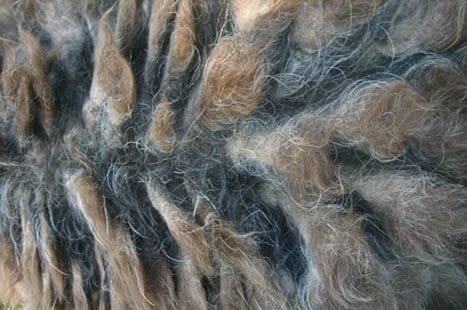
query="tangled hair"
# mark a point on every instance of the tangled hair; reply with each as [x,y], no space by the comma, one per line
[233,154]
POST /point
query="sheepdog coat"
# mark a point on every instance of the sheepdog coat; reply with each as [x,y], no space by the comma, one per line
[233,154]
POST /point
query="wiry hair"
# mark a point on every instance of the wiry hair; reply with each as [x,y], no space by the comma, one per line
[233,154]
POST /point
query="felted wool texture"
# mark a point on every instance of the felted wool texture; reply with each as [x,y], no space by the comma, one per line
[233,154]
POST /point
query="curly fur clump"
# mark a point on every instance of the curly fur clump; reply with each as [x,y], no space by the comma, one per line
[233,154]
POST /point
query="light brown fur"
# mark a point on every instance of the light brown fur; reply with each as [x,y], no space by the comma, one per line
[232,85]
[126,274]
[319,21]
[256,14]
[295,152]
[162,11]
[183,38]
[114,82]
[384,117]
[40,85]
[160,131]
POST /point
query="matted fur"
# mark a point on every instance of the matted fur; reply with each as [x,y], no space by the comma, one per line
[233,154]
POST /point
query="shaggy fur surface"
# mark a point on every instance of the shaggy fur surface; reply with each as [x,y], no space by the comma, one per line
[233,154]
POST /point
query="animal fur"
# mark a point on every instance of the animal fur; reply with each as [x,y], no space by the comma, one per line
[232,154]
